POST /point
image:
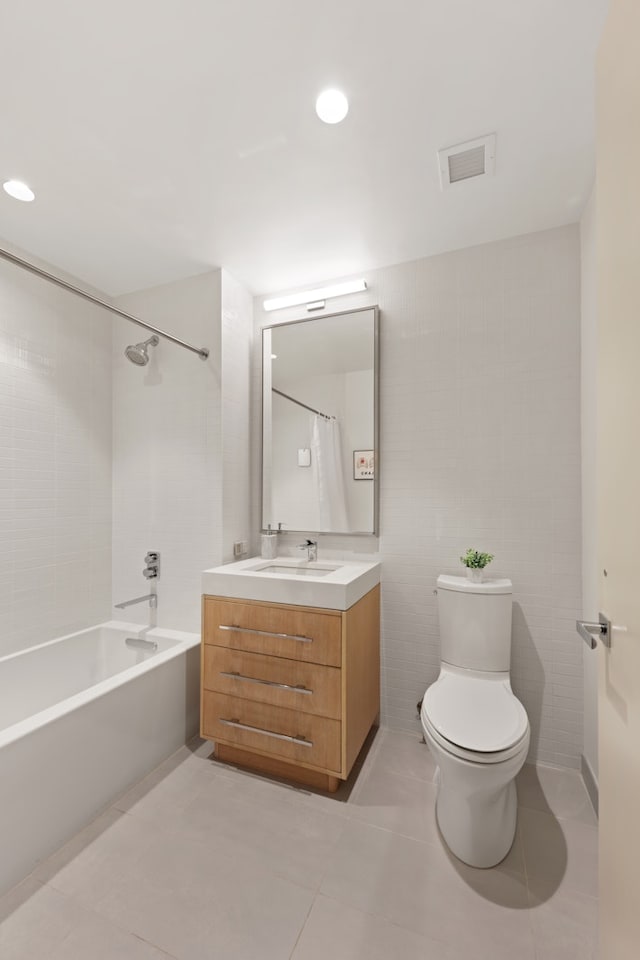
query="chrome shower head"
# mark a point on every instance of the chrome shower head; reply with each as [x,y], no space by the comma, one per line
[138,353]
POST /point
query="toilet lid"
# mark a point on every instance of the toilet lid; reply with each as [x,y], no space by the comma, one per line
[474,713]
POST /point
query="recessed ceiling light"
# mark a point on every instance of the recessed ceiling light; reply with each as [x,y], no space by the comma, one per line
[19,190]
[332,106]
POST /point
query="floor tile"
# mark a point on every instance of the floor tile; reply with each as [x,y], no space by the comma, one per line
[394,802]
[559,792]
[202,860]
[98,857]
[170,788]
[288,837]
[558,853]
[565,927]
[100,940]
[343,933]
[41,922]
[404,754]
[415,885]
[33,920]
[197,906]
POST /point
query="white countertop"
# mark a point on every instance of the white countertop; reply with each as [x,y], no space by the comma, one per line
[338,588]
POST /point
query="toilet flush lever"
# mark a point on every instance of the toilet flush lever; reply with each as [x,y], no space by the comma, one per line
[590,631]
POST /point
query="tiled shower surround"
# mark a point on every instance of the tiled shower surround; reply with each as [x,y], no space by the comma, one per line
[480,447]
[55,462]
[181,447]
[78,422]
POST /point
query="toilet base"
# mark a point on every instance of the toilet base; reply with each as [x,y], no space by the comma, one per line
[478,828]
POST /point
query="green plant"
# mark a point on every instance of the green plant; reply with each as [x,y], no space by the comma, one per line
[475,560]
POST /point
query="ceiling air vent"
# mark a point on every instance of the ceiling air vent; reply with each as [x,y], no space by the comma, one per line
[466,161]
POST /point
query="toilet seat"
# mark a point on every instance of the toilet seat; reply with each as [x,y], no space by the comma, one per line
[471,756]
[475,716]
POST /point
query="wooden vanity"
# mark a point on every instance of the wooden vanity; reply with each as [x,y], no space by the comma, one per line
[290,690]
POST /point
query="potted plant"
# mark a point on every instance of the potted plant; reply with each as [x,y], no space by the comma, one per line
[475,562]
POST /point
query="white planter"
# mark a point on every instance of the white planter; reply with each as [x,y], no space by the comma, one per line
[475,574]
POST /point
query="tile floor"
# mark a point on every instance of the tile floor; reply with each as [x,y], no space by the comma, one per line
[205,862]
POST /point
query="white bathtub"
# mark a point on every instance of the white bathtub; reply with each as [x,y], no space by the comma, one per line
[82,718]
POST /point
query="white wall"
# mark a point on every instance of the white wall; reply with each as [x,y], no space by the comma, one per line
[589,469]
[237,342]
[480,446]
[55,454]
[167,450]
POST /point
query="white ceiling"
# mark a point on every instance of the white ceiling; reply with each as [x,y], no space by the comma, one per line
[166,137]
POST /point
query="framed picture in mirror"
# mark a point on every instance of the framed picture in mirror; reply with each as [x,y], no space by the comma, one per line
[363,465]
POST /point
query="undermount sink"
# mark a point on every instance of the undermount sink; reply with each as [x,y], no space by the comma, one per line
[309,583]
[308,568]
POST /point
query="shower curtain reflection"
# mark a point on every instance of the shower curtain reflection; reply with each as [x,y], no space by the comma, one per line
[326,456]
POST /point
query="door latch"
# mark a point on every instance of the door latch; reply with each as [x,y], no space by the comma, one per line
[590,631]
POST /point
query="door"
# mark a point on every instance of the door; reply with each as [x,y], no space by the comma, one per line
[618,242]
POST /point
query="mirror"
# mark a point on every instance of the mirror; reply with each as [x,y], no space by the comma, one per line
[320,424]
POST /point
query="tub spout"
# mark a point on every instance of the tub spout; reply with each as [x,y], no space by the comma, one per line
[151,597]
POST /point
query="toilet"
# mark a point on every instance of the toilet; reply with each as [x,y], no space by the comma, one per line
[476,728]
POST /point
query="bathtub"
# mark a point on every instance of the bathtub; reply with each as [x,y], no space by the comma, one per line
[81,719]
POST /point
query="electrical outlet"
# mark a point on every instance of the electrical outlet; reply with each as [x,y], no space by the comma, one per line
[240,547]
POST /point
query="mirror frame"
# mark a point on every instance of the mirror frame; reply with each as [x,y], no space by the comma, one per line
[376,419]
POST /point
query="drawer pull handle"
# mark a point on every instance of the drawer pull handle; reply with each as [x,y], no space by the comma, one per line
[264,633]
[302,741]
[298,688]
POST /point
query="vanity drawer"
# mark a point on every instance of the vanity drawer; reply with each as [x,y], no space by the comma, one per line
[295,633]
[274,730]
[294,684]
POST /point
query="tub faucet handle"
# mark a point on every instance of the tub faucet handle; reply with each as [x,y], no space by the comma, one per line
[152,565]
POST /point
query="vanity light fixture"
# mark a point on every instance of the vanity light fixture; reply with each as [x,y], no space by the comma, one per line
[313,296]
[19,190]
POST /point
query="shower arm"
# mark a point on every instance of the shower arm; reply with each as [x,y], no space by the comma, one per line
[202,352]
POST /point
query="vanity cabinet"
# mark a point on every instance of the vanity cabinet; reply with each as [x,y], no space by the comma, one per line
[290,690]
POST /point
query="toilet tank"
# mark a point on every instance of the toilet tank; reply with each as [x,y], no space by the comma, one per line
[475,623]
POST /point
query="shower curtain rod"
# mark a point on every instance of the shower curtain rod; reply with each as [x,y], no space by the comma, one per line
[202,352]
[300,404]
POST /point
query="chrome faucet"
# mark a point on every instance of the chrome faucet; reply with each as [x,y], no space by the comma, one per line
[311,546]
[151,597]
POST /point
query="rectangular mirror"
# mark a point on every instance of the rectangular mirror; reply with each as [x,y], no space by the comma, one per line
[320,424]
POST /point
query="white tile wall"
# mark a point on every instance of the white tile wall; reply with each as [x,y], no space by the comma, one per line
[167,450]
[480,446]
[55,461]
[237,342]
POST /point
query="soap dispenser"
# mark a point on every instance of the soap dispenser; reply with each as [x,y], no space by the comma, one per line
[269,544]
